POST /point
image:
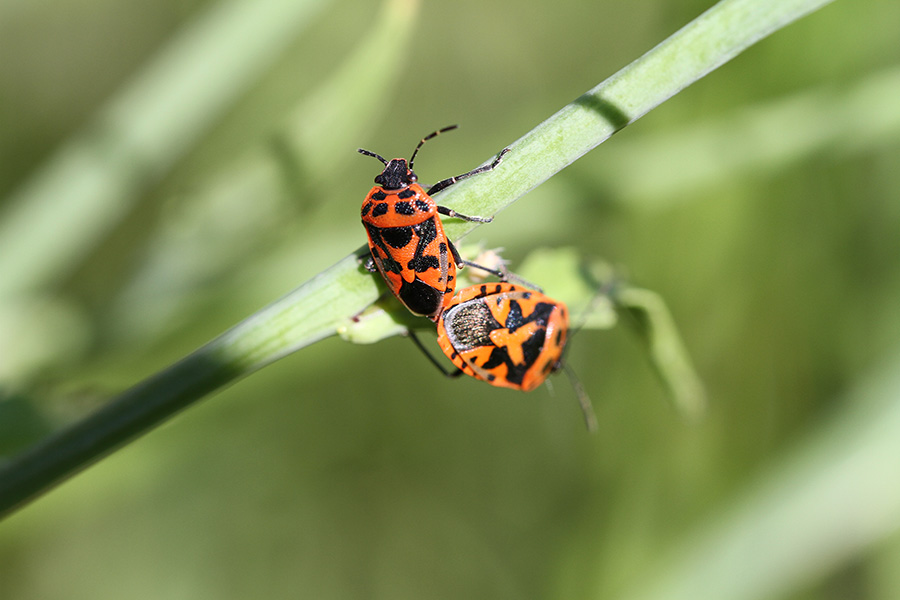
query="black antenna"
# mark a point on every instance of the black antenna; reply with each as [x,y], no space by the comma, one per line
[433,134]
[372,154]
[584,401]
[606,290]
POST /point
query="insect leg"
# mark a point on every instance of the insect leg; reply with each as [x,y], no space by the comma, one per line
[452,213]
[441,185]
[431,358]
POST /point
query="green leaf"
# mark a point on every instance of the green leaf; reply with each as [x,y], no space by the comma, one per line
[656,327]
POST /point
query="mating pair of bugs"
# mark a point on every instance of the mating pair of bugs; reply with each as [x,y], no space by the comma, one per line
[506,334]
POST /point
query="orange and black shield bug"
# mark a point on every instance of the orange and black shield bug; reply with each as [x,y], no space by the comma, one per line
[406,238]
[508,335]
[504,334]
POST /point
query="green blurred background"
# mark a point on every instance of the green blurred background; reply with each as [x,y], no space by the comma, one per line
[761,202]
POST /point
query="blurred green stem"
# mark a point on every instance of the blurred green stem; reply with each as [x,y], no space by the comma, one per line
[203,239]
[57,217]
[830,498]
[316,308]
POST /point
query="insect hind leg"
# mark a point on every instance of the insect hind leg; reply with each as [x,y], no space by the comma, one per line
[430,357]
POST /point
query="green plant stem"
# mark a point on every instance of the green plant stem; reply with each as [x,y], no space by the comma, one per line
[713,38]
[840,120]
[265,337]
[314,310]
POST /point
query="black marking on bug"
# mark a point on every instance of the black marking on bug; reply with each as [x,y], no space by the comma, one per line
[407,193]
[515,372]
[531,348]
[419,297]
[423,206]
[541,314]
[380,209]
[397,237]
[427,233]
[380,252]
[422,263]
[388,265]
[514,319]
[379,196]
[366,208]
[404,208]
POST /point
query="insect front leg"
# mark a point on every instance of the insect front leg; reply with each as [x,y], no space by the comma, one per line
[368,262]
[442,185]
[452,213]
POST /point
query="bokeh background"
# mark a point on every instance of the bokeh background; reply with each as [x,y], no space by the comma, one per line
[763,203]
